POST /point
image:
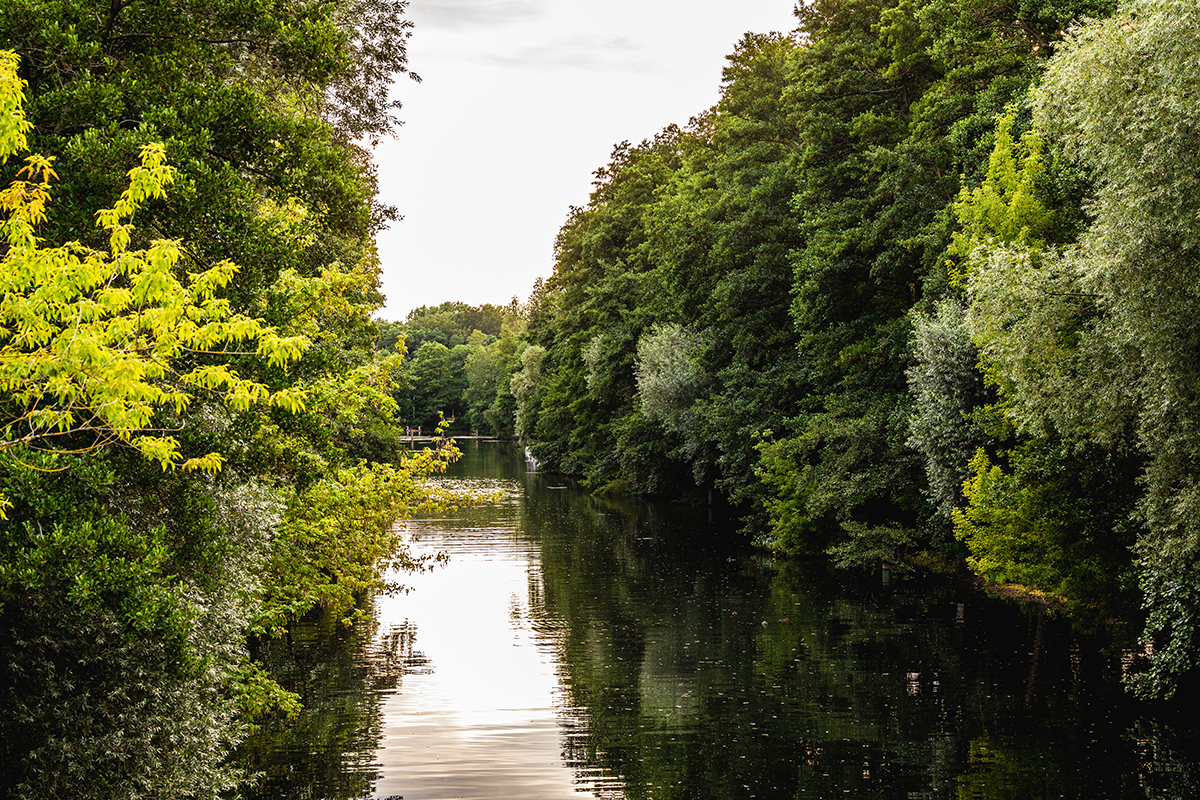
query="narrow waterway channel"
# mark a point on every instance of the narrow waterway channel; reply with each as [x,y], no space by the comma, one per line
[573,647]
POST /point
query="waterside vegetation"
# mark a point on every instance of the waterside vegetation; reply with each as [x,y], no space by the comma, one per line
[196,429]
[919,290]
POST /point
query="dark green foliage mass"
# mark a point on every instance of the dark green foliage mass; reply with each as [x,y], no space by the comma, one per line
[119,626]
[919,289]
[916,290]
[579,399]
[128,590]
[692,227]
[790,231]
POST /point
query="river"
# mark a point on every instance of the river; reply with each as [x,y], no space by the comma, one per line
[573,647]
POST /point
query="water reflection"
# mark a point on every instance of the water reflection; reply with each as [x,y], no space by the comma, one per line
[483,722]
[578,647]
[342,675]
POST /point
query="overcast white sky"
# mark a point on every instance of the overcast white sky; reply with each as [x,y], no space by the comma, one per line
[521,101]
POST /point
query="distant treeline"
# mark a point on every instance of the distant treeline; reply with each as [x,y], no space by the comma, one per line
[459,366]
[921,287]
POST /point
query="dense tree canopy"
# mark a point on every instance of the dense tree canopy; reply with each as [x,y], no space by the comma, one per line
[459,365]
[218,320]
[917,290]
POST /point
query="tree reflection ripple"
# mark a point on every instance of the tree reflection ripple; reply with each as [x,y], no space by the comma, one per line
[578,647]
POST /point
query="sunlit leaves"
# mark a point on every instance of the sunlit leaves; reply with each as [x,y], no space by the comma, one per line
[341,538]
[1007,207]
[141,332]
[1091,337]
[91,341]
[13,125]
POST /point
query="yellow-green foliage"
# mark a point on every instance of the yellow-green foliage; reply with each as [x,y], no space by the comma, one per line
[339,538]
[13,125]
[999,524]
[90,341]
[1048,521]
[1027,311]
[1006,207]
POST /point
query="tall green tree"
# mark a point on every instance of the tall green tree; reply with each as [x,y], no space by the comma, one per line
[489,369]
[581,414]
[438,386]
[1107,345]
[723,237]
[895,105]
[117,579]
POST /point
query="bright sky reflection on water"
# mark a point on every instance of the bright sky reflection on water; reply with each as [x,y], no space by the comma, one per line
[481,718]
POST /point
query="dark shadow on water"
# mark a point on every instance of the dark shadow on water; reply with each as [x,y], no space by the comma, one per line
[343,675]
[694,667]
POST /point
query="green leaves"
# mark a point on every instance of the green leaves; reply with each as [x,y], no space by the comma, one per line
[215,314]
[1007,208]
[13,124]
[89,340]
[340,537]
[1120,99]
[1086,325]
[109,690]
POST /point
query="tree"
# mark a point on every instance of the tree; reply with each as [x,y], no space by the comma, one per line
[489,370]
[128,586]
[1118,101]
[670,379]
[438,384]
[1085,325]
[723,237]
[947,389]
[896,107]
[602,296]
[90,341]
[260,108]
[526,387]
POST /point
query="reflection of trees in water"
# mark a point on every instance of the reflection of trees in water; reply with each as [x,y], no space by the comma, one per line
[687,675]
[615,602]
[1167,758]
[342,676]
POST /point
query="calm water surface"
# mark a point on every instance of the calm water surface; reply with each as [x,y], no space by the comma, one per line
[573,647]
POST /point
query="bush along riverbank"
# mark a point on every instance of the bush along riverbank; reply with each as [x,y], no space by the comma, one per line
[190,392]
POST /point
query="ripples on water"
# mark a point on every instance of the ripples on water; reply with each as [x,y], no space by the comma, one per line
[576,648]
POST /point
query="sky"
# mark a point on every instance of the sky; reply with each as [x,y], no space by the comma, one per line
[520,102]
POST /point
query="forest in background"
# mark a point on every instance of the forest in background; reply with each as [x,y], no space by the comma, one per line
[920,290]
[458,362]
